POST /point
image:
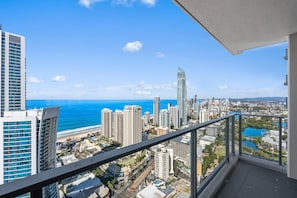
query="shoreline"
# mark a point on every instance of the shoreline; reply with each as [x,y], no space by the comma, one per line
[77,133]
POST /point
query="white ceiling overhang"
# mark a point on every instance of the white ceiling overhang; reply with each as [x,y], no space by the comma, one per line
[244,24]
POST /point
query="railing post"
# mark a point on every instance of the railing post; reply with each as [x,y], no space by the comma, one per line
[280,142]
[36,193]
[240,134]
[233,134]
[193,164]
[227,138]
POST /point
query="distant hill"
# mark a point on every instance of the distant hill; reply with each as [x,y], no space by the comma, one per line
[260,99]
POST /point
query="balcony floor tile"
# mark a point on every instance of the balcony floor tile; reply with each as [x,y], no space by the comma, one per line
[251,181]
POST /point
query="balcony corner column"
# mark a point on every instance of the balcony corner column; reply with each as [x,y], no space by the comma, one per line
[292,98]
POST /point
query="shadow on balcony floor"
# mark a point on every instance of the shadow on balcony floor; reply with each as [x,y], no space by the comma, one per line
[252,181]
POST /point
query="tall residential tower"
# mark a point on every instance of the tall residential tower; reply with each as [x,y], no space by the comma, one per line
[132,125]
[156,110]
[106,121]
[12,73]
[28,145]
[118,128]
[182,96]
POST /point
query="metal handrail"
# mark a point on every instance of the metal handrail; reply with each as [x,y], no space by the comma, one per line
[34,183]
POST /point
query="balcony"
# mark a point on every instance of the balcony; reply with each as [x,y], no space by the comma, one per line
[242,171]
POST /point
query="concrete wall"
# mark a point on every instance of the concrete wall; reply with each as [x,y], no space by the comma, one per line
[292,99]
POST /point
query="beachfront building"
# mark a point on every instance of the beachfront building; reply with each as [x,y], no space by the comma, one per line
[118,121]
[182,96]
[132,125]
[156,110]
[12,78]
[146,119]
[106,121]
[28,145]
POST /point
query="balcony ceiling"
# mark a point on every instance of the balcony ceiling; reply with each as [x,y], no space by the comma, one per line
[244,24]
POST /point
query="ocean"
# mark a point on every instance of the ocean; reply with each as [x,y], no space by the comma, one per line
[76,114]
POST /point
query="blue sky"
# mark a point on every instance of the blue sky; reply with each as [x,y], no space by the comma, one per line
[131,49]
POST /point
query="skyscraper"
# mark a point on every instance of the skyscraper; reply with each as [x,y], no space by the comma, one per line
[182,96]
[27,138]
[156,110]
[175,117]
[28,145]
[164,118]
[106,121]
[12,78]
[132,125]
[118,128]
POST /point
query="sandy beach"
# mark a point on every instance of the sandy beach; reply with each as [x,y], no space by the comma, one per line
[77,134]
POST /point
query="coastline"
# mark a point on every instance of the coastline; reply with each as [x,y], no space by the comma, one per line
[77,133]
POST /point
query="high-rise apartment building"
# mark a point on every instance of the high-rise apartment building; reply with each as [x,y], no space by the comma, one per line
[132,125]
[164,118]
[106,122]
[163,162]
[182,96]
[156,110]
[203,115]
[28,145]
[118,128]
[12,73]
[174,114]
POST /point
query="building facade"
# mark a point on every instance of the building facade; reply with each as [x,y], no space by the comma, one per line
[174,115]
[132,125]
[162,164]
[156,110]
[182,96]
[12,73]
[164,118]
[28,145]
[106,122]
[118,128]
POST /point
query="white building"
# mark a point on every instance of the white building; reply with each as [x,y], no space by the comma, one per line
[164,118]
[147,117]
[156,110]
[12,78]
[162,163]
[182,96]
[150,192]
[196,110]
[132,125]
[28,144]
[118,128]
[175,117]
[106,122]
[204,115]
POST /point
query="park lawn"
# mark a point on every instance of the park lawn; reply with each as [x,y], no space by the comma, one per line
[220,151]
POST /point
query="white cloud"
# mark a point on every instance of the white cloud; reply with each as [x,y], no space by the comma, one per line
[149,2]
[59,78]
[142,92]
[160,55]
[123,2]
[222,87]
[79,85]
[88,3]
[33,79]
[133,46]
